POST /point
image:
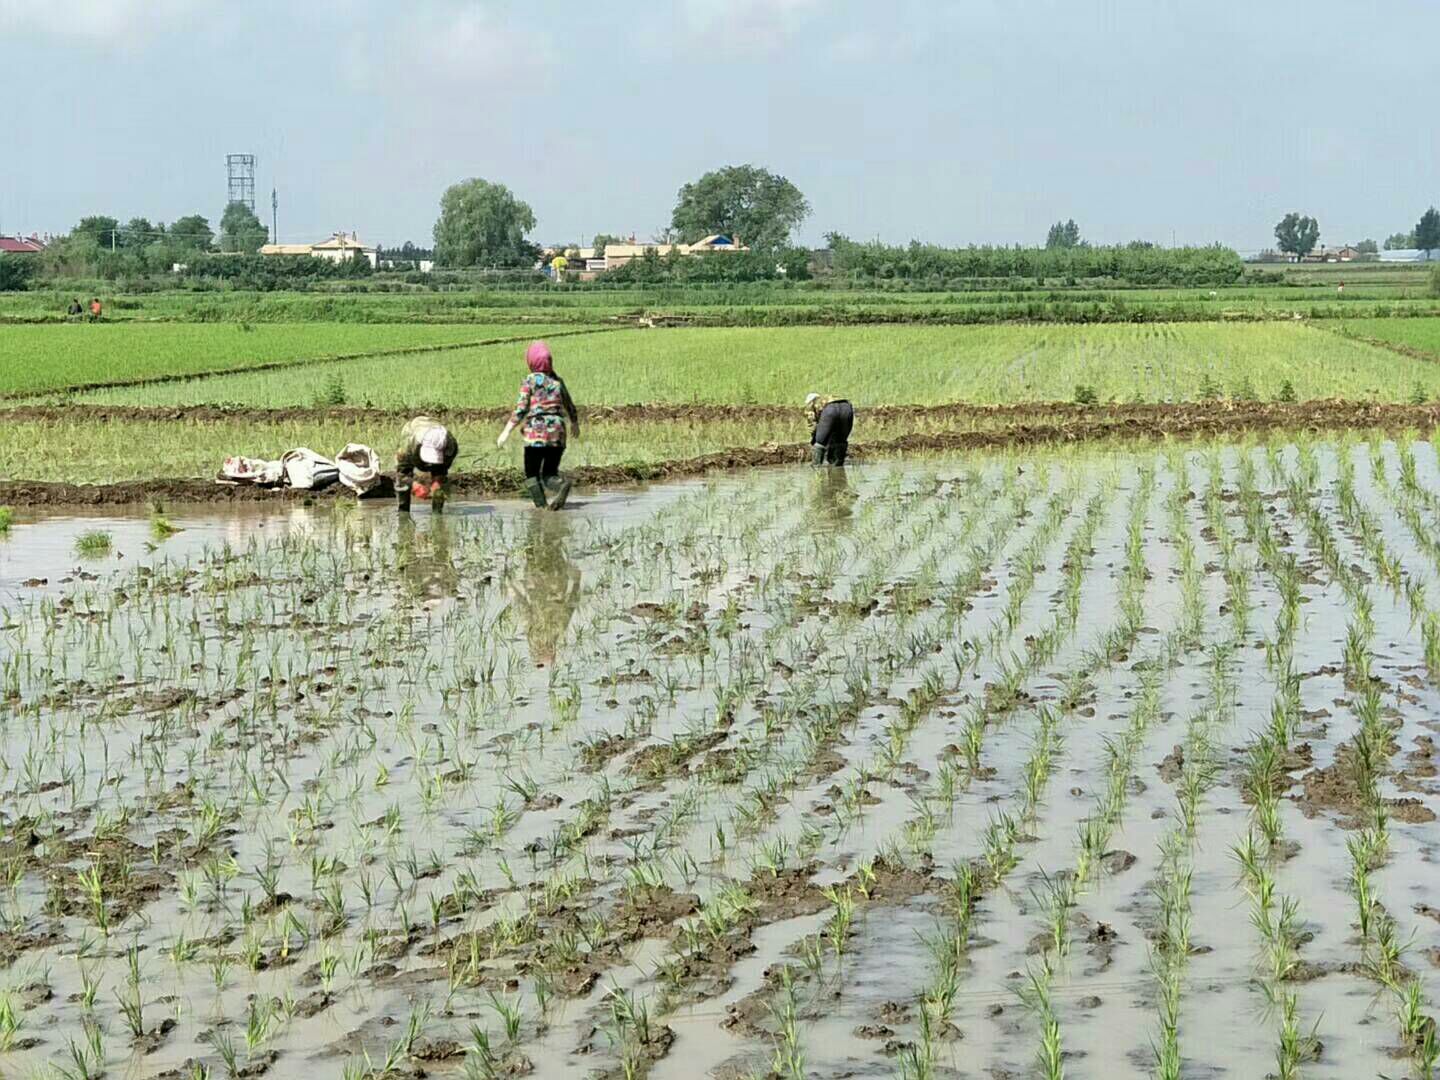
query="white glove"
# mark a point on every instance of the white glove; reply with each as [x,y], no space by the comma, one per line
[501,440]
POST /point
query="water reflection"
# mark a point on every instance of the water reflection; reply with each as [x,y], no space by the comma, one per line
[832,501]
[427,568]
[547,590]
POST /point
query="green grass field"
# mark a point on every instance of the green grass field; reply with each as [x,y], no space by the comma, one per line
[761,304]
[37,358]
[871,365]
[1422,334]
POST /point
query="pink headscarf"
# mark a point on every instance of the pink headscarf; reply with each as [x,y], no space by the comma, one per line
[537,356]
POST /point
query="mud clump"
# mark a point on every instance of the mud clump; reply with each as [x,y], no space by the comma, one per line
[1172,765]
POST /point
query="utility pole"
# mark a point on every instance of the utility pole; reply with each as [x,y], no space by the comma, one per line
[274,216]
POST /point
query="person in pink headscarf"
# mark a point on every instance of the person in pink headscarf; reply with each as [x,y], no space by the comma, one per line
[540,412]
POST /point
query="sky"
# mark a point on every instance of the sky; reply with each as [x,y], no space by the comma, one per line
[950,121]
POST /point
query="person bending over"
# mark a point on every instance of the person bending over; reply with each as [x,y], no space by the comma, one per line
[426,445]
[830,422]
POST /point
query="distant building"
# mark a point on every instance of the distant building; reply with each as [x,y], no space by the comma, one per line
[341,247]
[287,249]
[617,255]
[1348,254]
[21,245]
[1404,255]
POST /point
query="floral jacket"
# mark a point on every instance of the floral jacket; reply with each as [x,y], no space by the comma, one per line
[541,409]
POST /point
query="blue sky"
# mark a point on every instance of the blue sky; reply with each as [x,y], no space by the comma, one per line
[953,122]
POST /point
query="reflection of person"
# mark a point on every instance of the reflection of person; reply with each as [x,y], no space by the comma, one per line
[424,561]
[547,590]
[542,408]
[426,445]
[834,502]
[830,422]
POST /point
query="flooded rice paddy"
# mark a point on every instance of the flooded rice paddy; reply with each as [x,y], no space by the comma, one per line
[1003,766]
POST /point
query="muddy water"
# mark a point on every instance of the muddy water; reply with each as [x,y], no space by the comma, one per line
[356,791]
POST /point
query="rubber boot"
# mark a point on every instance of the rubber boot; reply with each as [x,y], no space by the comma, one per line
[818,455]
[536,491]
[559,489]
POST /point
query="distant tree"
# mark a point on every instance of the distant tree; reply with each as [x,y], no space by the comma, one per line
[191,233]
[483,224]
[1064,234]
[665,235]
[1427,231]
[240,230]
[602,241]
[1297,234]
[138,233]
[103,230]
[1368,247]
[755,206]
[1400,241]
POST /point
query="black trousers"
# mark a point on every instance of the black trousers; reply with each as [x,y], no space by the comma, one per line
[832,431]
[542,462]
[406,466]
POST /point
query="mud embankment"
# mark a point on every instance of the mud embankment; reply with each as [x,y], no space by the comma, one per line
[1062,424]
[1242,415]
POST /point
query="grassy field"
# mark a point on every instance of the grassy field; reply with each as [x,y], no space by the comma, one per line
[1420,334]
[38,358]
[871,365]
[761,304]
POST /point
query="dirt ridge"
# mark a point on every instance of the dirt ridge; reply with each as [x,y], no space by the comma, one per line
[1325,411]
[1135,423]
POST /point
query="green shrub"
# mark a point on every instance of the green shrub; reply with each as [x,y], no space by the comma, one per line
[1287,392]
[16,271]
[6,517]
[1435,281]
[1210,390]
[1086,394]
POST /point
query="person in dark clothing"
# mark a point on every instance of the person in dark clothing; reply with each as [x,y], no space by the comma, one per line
[425,445]
[541,410]
[831,420]
[75,311]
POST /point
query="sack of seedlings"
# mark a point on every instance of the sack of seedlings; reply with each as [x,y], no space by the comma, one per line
[359,467]
[307,470]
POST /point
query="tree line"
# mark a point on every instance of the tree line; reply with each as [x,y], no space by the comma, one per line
[1298,235]
[1137,263]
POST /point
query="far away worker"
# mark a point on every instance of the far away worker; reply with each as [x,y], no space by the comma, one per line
[830,422]
[426,445]
[542,408]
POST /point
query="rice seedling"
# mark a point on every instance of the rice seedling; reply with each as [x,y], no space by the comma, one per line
[94,543]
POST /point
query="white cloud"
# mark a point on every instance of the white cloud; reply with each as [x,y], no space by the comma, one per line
[117,23]
[748,24]
[469,43]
